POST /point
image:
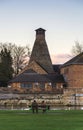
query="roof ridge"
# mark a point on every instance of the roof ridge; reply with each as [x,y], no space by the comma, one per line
[73,60]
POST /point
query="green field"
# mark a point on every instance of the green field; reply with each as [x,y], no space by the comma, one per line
[51,120]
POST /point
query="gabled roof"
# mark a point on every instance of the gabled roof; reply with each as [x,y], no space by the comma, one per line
[34,63]
[75,60]
[31,76]
[30,68]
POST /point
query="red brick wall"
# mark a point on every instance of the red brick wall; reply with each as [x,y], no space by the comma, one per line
[74,75]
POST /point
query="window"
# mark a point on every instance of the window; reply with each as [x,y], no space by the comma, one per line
[26,85]
[42,85]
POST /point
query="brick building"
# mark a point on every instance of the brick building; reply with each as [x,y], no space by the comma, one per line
[40,74]
[73,72]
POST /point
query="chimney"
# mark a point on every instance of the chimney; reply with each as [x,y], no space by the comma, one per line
[40,34]
[40,52]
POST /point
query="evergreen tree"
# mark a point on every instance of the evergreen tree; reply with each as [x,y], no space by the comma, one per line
[6,70]
[20,55]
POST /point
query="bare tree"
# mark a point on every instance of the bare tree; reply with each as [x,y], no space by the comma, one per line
[77,48]
[20,55]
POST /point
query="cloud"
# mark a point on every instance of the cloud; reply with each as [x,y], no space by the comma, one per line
[60,58]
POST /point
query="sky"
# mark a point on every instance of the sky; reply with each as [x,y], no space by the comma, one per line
[62,20]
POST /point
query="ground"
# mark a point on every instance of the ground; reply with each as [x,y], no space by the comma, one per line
[51,120]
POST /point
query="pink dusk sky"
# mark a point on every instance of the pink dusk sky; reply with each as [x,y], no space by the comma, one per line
[62,20]
[60,58]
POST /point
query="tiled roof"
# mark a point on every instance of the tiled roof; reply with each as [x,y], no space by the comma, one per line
[75,60]
[35,77]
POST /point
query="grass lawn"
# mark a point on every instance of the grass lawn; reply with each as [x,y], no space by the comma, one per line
[52,120]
